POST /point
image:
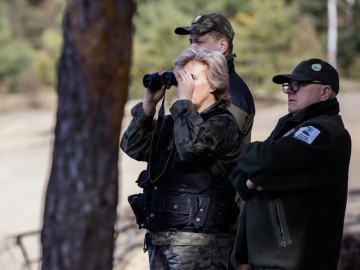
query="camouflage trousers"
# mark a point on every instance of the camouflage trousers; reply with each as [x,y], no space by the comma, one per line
[188,251]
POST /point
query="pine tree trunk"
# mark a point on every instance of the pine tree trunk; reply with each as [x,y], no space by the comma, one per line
[82,192]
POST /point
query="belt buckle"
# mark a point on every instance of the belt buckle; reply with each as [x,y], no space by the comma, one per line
[170,234]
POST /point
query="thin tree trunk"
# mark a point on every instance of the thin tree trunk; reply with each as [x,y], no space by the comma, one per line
[332,32]
[82,192]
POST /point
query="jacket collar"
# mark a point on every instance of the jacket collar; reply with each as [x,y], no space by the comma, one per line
[230,62]
[329,107]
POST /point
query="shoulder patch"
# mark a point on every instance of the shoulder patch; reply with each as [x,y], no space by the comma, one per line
[307,134]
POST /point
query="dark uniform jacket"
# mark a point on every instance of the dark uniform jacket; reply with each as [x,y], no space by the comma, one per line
[242,102]
[206,149]
[296,223]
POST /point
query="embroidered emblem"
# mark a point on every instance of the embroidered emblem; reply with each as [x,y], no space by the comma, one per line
[316,67]
[307,134]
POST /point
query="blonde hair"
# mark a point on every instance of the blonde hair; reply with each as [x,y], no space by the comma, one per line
[217,75]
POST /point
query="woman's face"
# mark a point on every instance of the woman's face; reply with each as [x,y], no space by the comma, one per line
[202,96]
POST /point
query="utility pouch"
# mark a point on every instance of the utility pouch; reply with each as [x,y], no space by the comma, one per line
[189,211]
[199,212]
[143,179]
[138,205]
[224,212]
[175,210]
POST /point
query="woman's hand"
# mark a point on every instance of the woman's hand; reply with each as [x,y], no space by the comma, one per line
[152,97]
[185,87]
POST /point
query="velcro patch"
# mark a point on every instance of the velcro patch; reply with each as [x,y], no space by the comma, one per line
[307,134]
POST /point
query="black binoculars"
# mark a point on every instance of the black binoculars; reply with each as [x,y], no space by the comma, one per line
[154,81]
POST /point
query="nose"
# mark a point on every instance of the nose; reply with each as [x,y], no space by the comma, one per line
[289,91]
[194,46]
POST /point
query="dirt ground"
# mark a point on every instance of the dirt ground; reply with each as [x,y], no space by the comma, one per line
[26,137]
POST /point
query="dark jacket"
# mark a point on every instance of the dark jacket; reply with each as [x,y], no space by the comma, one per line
[296,223]
[242,102]
[206,153]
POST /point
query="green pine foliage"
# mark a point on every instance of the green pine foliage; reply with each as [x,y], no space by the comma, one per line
[155,43]
[271,36]
[15,55]
[273,42]
[30,41]
[263,41]
[14,59]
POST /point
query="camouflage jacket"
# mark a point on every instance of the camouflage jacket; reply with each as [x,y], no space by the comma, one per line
[196,141]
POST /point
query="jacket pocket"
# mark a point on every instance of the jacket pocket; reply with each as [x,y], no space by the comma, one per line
[279,224]
[175,210]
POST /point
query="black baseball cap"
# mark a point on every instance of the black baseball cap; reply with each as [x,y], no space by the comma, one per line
[312,70]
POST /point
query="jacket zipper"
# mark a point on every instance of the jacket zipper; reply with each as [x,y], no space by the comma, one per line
[283,239]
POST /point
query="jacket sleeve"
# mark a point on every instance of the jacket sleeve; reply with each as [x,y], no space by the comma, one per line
[199,141]
[135,141]
[291,162]
[244,122]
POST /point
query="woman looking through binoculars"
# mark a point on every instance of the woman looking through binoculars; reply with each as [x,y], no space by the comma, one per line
[187,205]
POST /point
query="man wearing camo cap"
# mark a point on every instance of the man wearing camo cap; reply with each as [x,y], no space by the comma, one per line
[214,31]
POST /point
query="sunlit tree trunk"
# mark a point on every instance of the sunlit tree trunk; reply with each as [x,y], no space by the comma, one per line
[332,32]
[82,192]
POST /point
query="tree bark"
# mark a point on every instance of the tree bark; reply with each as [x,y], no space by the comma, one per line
[93,79]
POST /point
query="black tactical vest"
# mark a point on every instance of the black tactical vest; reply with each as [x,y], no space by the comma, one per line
[185,197]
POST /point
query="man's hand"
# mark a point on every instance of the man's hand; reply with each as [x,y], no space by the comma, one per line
[251,185]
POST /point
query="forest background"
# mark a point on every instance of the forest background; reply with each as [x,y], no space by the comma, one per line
[271,36]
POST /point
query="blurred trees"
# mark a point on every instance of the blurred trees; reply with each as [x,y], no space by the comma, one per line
[259,32]
[271,36]
[348,52]
[349,38]
[27,52]
[15,55]
[265,40]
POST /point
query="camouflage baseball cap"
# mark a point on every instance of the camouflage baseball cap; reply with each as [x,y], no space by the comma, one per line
[205,23]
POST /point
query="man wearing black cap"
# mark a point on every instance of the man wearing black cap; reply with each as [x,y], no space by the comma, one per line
[213,31]
[295,182]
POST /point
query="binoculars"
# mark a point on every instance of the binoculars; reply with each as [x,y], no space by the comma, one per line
[154,81]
